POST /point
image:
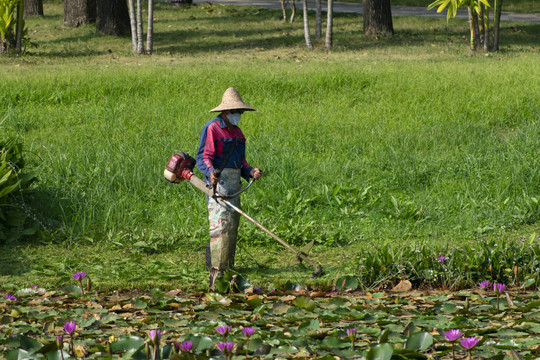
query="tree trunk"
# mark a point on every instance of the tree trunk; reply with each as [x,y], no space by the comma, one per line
[78,12]
[482,23]
[20,26]
[150,28]
[112,17]
[293,13]
[307,35]
[318,20]
[476,29]
[329,25]
[33,7]
[140,41]
[496,23]
[378,17]
[282,2]
[473,24]
[133,23]
[486,31]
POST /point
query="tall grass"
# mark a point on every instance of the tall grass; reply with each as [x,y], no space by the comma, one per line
[404,145]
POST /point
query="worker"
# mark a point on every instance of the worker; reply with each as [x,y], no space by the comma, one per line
[221,158]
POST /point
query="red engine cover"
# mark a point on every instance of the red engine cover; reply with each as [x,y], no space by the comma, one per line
[180,162]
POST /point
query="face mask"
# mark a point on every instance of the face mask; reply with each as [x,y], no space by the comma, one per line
[234,119]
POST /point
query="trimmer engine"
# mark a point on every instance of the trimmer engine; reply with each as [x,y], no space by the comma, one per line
[179,167]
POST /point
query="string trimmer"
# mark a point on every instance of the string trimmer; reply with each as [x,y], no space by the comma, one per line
[180,167]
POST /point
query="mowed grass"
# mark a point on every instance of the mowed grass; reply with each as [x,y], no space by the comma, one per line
[381,142]
[526,6]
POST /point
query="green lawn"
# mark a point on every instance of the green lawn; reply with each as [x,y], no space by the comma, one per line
[526,6]
[403,158]
[379,143]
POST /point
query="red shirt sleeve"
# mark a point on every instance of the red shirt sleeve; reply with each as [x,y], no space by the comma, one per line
[209,148]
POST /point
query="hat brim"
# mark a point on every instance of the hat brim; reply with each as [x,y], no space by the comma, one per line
[221,108]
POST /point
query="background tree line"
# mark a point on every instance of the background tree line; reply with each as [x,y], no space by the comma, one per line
[121,17]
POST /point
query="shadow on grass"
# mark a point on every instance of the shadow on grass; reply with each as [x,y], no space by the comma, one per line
[13,261]
[209,28]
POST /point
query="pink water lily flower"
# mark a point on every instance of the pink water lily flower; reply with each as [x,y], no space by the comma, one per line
[248,331]
[499,287]
[226,347]
[470,342]
[155,335]
[79,275]
[484,284]
[186,346]
[452,335]
[70,327]
[224,330]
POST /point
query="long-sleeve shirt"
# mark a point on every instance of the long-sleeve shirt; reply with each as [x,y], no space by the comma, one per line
[215,144]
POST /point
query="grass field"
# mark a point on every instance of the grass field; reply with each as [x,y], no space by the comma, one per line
[408,141]
[526,6]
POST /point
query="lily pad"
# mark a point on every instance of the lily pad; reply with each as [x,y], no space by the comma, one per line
[305,302]
[380,352]
[419,341]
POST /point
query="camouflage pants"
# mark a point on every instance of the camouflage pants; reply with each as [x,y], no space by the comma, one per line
[224,221]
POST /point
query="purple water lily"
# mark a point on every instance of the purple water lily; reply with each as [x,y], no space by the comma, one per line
[224,330]
[452,335]
[70,327]
[60,341]
[441,259]
[498,288]
[484,284]
[351,333]
[186,346]
[11,297]
[79,275]
[155,335]
[226,347]
[248,331]
[470,342]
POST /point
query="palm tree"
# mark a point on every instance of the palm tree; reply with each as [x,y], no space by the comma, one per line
[318,20]
[20,26]
[140,45]
[329,25]
[133,23]
[150,28]
[307,35]
[496,23]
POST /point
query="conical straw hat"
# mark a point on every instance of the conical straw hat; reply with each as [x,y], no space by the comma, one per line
[232,101]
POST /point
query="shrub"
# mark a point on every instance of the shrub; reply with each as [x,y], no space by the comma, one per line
[14,222]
